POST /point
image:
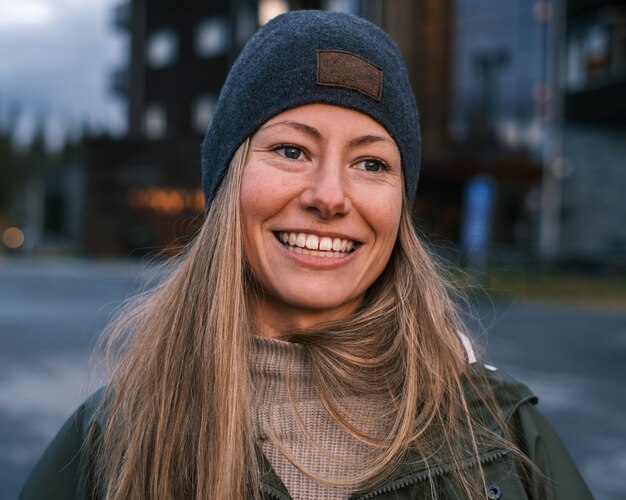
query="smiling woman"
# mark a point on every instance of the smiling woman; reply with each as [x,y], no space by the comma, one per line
[304,345]
[327,221]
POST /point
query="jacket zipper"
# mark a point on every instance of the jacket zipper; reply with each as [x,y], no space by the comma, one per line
[409,480]
[431,473]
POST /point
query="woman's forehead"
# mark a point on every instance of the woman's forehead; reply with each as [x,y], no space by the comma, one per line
[315,119]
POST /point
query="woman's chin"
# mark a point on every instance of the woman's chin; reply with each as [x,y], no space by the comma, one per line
[305,310]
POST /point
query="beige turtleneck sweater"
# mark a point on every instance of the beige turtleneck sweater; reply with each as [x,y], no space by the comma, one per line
[325,449]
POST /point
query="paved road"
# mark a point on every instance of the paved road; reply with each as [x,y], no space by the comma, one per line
[574,360]
[52,310]
[50,315]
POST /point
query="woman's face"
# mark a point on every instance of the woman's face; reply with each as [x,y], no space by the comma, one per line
[321,198]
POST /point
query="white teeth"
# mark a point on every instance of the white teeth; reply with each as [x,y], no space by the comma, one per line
[314,245]
[326,244]
[312,242]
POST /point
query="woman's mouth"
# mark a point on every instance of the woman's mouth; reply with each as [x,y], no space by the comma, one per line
[312,244]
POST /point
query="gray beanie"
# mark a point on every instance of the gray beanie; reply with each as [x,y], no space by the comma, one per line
[305,57]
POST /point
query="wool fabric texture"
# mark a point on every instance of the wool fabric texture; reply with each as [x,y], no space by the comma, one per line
[305,57]
[281,370]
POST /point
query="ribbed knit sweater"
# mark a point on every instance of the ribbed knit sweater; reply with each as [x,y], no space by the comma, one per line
[325,449]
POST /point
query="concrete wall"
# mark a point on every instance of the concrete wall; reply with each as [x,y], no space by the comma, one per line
[594,194]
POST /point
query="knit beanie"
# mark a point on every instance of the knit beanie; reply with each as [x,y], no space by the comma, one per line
[305,57]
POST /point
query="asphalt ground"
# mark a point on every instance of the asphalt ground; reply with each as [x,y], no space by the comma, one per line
[51,312]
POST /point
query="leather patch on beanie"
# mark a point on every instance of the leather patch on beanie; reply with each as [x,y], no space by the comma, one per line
[337,68]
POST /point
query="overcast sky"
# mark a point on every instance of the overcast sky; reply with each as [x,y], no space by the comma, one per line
[56,57]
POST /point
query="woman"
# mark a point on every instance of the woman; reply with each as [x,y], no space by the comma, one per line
[304,345]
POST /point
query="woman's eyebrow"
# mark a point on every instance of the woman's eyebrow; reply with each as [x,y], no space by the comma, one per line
[307,129]
[314,133]
[369,139]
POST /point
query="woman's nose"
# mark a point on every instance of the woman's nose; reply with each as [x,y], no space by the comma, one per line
[326,193]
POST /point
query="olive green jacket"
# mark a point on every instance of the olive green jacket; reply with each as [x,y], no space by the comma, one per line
[64,470]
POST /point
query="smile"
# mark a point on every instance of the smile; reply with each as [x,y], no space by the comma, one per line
[312,244]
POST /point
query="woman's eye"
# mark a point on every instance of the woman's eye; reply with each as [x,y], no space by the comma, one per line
[371,165]
[291,152]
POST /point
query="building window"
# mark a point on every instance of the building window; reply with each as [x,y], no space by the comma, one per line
[596,52]
[162,49]
[212,37]
[202,113]
[588,55]
[155,123]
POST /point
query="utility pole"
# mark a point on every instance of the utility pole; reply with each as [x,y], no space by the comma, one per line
[552,147]
[137,69]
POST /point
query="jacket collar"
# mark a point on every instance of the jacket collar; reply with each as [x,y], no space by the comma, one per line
[508,394]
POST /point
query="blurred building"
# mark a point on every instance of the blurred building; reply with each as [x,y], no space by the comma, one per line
[144,190]
[475,66]
[530,95]
[522,94]
[41,194]
[592,168]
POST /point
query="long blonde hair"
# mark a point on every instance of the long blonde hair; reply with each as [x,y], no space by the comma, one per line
[177,413]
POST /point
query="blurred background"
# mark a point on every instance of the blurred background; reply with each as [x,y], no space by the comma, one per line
[103,105]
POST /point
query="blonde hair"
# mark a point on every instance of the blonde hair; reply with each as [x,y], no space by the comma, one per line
[177,409]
